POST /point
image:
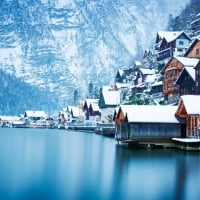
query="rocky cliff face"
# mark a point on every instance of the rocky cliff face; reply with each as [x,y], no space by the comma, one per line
[62,45]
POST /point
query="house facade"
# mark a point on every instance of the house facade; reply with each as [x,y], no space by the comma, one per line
[194,49]
[86,107]
[186,81]
[108,101]
[171,73]
[147,123]
[189,110]
[170,43]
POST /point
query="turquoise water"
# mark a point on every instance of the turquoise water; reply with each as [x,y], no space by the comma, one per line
[59,164]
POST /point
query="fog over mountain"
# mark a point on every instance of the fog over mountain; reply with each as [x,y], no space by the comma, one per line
[63,45]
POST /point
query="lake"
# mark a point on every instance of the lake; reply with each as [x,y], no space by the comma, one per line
[61,164]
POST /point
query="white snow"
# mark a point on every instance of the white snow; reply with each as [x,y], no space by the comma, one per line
[187,61]
[150,113]
[192,103]
[111,97]
[169,35]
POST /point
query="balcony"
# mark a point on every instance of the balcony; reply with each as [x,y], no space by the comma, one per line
[167,53]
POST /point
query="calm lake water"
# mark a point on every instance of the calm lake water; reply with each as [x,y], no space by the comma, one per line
[59,164]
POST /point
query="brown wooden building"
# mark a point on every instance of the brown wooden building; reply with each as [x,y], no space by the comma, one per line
[189,109]
[147,123]
[172,71]
[194,50]
[186,81]
[171,43]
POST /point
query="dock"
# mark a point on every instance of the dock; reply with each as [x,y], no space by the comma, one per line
[187,144]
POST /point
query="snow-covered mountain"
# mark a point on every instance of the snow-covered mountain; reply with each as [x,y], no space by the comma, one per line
[63,45]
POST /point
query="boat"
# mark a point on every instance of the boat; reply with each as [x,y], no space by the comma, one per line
[107,129]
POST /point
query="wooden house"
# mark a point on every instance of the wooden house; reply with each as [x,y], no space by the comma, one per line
[86,106]
[189,110]
[186,81]
[170,43]
[94,111]
[147,123]
[194,49]
[72,113]
[122,74]
[35,114]
[156,88]
[108,101]
[171,72]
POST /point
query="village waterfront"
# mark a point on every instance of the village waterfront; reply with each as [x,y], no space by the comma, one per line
[65,164]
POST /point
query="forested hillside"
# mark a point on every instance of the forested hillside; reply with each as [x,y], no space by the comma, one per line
[182,21]
[17,96]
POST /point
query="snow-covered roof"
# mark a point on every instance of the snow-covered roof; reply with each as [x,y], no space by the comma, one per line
[95,106]
[138,63]
[151,78]
[9,118]
[150,113]
[35,113]
[191,72]
[122,85]
[157,83]
[196,39]
[75,110]
[111,97]
[191,103]
[169,35]
[190,62]
[147,71]
[106,87]
[89,101]
[121,72]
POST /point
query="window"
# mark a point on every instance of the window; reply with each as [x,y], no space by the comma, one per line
[180,42]
[197,52]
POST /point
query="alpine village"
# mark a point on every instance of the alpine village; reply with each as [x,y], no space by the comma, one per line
[146,106]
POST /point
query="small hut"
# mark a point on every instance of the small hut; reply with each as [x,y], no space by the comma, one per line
[189,109]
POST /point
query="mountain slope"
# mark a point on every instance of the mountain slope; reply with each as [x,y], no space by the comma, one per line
[61,46]
[17,96]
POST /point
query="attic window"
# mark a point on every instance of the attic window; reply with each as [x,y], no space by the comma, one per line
[197,52]
[180,42]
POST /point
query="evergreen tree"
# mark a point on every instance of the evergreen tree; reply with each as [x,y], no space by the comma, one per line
[91,90]
[75,97]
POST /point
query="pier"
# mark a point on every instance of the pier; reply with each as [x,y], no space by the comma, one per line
[188,144]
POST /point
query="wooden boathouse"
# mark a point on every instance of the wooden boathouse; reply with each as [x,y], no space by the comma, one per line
[189,110]
[150,124]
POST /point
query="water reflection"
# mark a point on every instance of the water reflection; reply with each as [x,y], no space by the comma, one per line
[55,164]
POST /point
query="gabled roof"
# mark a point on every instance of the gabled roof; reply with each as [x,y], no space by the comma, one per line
[75,111]
[157,83]
[189,62]
[150,113]
[191,46]
[35,113]
[94,106]
[89,101]
[189,70]
[111,97]
[171,35]
[191,103]
[146,71]
[185,61]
